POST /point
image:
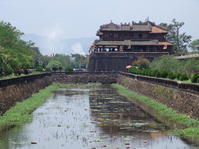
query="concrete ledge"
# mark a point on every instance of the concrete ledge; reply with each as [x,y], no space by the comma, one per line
[182,100]
[190,87]
[18,89]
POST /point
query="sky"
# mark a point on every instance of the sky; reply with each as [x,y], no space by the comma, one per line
[66,19]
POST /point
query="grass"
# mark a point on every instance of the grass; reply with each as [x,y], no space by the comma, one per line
[21,112]
[191,126]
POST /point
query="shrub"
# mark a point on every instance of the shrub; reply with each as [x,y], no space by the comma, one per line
[195,78]
[183,77]
[163,74]
[141,63]
[69,69]
[39,68]
[178,75]
[157,74]
[171,76]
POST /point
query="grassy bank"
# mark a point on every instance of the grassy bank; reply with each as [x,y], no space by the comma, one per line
[21,112]
[191,126]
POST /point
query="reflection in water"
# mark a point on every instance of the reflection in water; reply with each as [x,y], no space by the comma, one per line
[90,119]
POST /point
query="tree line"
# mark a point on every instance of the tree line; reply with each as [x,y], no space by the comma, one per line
[167,67]
[18,56]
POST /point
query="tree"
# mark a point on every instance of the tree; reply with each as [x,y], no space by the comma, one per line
[15,53]
[54,65]
[79,61]
[191,66]
[193,45]
[166,63]
[180,40]
[9,35]
[141,63]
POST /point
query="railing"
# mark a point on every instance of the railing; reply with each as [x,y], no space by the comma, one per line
[193,87]
[12,81]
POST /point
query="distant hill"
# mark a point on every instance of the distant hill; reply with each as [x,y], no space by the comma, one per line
[49,46]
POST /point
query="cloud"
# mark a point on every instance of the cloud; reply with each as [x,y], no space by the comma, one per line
[77,49]
[54,33]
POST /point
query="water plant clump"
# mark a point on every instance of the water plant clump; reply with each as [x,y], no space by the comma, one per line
[21,112]
[191,126]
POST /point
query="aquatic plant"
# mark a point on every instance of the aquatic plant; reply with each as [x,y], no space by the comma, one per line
[191,126]
[21,112]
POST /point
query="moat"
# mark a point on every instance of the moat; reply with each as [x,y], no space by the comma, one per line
[90,118]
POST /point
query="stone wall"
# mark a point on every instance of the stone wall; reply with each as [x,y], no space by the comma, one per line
[18,89]
[182,97]
[183,101]
[117,61]
[85,77]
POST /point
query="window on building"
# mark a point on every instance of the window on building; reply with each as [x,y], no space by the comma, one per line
[140,36]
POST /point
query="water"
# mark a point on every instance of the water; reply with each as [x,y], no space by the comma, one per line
[95,118]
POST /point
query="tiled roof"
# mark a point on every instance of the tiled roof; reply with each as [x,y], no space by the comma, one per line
[156,29]
[166,43]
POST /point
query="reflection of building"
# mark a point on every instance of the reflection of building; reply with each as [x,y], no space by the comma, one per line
[119,45]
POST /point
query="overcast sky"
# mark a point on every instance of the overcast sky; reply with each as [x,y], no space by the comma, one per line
[81,18]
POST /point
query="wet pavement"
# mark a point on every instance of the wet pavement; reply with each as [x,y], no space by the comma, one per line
[92,118]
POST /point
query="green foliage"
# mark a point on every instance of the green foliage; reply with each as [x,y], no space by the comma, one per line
[21,112]
[74,61]
[183,77]
[180,40]
[159,73]
[69,69]
[79,61]
[190,66]
[193,45]
[54,65]
[141,63]
[170,64]
[195,78]
[191,131]
[166,63]
[163,74]
[163,110]
[39,68]
[15,54]
[171,75]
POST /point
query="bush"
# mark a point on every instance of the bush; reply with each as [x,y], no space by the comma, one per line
[183,77]
[69,69]
[157,74]
[178,75]
[195,78]
[142,63]
[39,68]
[163,74]
[171,76]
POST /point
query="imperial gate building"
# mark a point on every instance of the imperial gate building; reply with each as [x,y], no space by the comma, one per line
[119,45]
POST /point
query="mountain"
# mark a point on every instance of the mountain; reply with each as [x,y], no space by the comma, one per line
[49,46]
